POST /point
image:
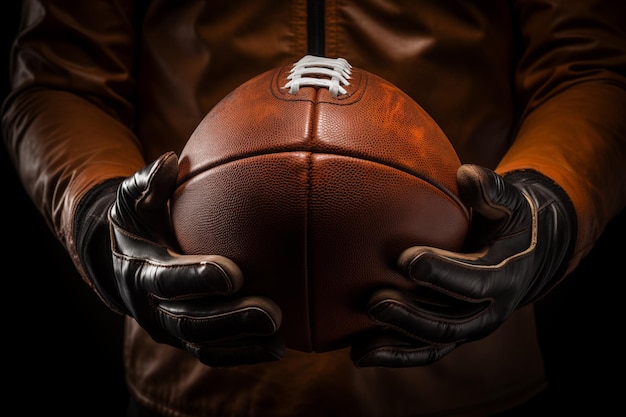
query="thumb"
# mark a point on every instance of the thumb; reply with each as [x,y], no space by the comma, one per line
[483,190]
[492,201]
[141,206]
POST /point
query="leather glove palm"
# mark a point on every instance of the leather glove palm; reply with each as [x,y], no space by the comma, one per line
[522,235]
[186,301]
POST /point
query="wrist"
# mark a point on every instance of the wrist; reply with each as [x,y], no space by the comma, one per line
[557,223]
[93,241]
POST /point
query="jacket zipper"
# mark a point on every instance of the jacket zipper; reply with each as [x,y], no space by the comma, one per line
[315,27]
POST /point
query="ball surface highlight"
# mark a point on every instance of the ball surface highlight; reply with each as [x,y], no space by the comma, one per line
[313,178]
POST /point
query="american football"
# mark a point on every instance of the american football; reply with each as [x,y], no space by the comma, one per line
[313,178]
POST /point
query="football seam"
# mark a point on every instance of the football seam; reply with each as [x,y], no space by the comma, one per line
[190,175]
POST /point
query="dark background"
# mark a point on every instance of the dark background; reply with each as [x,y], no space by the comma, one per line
[63,348]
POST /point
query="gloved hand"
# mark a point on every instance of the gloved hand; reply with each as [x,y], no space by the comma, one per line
[126,242]
[521,238]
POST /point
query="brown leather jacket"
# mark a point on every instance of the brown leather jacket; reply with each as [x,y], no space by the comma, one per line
[100,88]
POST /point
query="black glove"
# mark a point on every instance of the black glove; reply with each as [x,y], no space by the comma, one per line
[522,236]
[126,243]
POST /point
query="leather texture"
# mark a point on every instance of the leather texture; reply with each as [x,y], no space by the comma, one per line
[513,84]
[523,232]
[316,196]
[183,300]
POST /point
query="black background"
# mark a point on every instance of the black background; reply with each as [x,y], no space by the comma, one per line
[63,348]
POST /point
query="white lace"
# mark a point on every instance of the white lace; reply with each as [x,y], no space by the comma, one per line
[336,69]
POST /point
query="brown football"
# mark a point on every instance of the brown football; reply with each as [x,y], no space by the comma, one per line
[313,178]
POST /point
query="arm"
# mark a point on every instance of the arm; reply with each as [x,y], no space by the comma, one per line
[68,127]
[571,83]
[541,211]
[67,121]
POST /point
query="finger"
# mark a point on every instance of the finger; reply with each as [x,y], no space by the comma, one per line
[389,349]
[141,203]
[485,191]
[467,276]
[158,183]
[428,315]
[171,277]
[205,320]
[241,352]
[151,185]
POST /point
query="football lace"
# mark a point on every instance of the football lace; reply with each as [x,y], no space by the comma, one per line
[316,71]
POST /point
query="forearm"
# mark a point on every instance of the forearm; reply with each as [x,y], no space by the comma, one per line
[62,146]
[578,139]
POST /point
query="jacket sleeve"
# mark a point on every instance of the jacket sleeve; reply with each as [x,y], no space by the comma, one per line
[572,83]
[68,121]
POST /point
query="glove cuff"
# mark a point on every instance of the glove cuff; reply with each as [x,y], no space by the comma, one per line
[93,241]
[557,217]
